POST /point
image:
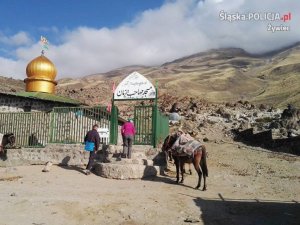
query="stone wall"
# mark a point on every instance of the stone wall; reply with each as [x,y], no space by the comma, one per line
[70,154]
[264,139]
[10,103]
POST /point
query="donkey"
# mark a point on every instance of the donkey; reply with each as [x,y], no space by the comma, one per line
[168,154]
[198,160]
[8,139]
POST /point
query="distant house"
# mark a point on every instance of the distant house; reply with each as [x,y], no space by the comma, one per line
[34,102]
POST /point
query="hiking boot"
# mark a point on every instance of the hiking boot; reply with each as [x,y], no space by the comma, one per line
[87,172]
[107,160]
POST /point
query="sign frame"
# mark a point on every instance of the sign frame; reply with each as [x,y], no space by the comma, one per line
[135,87]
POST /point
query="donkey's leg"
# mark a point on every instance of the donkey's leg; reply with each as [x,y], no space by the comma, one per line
[196,163]
[204,169]
[203,165]
[170,156]
[190,169]
[177,168]
[204,180]
[181,164]
[166,159]
[183,170]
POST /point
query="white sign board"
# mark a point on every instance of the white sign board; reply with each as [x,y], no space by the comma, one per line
[103,132]
[104,135]
[135,86]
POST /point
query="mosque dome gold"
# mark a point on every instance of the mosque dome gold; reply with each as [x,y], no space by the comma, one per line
[41,67]
[41,74]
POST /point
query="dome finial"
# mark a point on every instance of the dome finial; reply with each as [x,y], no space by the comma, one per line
[45,44]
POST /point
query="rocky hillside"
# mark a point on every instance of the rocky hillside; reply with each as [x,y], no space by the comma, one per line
[11,85]
[218,92]
[221,75]
[218,76]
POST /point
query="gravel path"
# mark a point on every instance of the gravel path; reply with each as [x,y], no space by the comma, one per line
[245,186]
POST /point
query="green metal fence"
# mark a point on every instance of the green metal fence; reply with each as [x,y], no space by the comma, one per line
[70,124]
[62,125]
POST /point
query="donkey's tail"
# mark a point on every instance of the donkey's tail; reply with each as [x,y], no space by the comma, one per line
[203,163]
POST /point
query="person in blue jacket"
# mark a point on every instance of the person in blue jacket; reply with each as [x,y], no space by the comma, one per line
[94,137]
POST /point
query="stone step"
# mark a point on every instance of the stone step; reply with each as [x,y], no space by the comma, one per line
[144,163]
[142,158]
[138,151]
[122,161]
[126,171]
[135,148]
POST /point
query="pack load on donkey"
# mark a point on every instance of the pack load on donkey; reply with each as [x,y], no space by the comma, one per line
[185,144]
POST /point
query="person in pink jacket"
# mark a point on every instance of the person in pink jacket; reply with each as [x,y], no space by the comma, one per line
[128,132]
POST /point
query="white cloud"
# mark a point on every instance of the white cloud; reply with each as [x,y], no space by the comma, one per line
[11,68]
[20,38]
[177,29]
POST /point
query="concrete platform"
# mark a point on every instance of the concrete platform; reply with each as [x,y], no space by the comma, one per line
[125,171]
[146,161]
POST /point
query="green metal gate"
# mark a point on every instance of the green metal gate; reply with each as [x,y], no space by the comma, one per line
[161,127]
[151,125]
[143,124]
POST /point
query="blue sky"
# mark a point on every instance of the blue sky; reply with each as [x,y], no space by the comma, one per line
[49,17]
[33,15]
[94,36]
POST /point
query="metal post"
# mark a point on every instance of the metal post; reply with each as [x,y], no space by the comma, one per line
[51,130]
[155,114]
[113,123]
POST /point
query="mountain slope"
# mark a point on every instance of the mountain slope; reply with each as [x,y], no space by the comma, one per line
[11,85]
[217,75]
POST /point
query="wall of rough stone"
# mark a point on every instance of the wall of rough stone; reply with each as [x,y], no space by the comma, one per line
[16,104]
[264,139]
[64,154]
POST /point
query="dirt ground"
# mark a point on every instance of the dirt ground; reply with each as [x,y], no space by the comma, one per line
[245,186]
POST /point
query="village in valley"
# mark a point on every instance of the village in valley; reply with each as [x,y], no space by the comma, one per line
[209,138]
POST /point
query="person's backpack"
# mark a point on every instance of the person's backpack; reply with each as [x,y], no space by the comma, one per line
[89,146]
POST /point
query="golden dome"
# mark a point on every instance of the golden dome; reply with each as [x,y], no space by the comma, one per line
[41,67]
[41,73]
